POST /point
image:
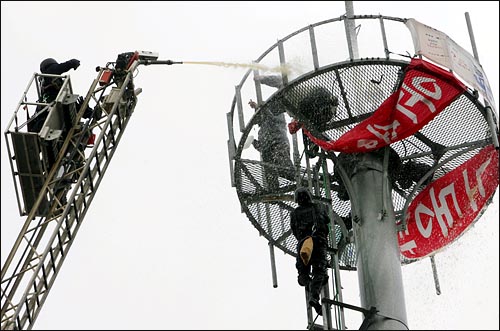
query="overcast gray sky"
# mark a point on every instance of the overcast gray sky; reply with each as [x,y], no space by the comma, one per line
[164,244]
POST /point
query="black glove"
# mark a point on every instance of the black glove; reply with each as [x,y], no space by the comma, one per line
[75,63]
[88,112]
[79,102]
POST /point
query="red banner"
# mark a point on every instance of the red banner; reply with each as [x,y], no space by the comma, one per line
[426,90]
[446,208]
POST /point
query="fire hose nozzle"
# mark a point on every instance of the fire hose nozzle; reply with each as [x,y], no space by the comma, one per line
[170,62]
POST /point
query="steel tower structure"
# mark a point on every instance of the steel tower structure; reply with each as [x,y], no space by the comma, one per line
[362,65]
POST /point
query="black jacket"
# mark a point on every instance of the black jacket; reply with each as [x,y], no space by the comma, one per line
[309,218]
[51,86]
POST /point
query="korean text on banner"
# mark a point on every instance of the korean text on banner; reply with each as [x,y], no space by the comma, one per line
[445,209]
[425,91]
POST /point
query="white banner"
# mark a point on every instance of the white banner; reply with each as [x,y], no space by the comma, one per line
[438,47]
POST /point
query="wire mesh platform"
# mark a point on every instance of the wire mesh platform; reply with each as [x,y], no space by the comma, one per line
[360,85]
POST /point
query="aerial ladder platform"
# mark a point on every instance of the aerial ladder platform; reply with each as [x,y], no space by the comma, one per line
[57,172]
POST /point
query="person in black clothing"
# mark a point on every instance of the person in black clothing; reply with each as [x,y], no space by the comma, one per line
[317,108]
[309,219]
[50,87]
[314,111]
[49,90]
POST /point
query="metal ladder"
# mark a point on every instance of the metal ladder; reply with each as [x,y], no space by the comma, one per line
[44,240]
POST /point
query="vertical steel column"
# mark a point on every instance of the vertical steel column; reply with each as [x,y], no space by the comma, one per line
[281,51]
[239,106]
[435,275]
[378,261]
[350,29]
[273,265]
[314,49]
[336,283]
[384,38]
[489,115]
[231,147]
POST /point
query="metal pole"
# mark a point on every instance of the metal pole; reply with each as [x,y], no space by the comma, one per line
[435,274]
[350,27]
[314,49]
[489,111]
[471,35]
[379,265]
[273,265]
[336,283]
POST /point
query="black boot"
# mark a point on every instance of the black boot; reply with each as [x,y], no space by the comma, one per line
[314,302]
[314,298]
